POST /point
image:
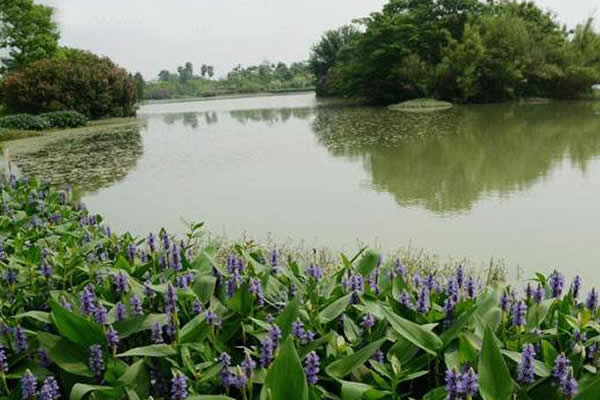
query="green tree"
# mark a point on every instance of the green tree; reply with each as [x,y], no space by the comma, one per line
[164,75]
[140,85]
[186,72]
[210,70]
[27,33]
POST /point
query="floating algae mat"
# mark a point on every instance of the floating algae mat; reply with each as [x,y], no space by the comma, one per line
[421,105]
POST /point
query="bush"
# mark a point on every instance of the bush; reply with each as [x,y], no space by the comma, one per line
[65,119]
[24,122]
[73,80]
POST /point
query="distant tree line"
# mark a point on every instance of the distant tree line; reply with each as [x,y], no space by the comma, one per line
[462,51]
[266,77]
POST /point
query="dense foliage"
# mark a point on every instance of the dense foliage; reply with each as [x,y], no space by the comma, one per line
[87,312]
[266,77]
[27,33]
[72,80]
[65,119]
[463,51]
[25,122]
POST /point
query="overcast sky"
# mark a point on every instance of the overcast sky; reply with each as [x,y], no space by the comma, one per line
[150,35]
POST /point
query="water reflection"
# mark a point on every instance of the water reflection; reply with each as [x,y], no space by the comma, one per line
[87,161]
[192,119]
[446,161]
[271,115]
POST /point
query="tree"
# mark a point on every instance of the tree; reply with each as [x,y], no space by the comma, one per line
[27,33]
[76,80]
[210,70]
[164,76]
[140,85]
[204,70]
[325,53]
[186,72]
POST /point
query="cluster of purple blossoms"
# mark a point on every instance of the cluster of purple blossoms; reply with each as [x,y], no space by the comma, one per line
[136,306]
[179,390]
[373,280]
[256,289]
[592,300]
[576,287]
[88,300]
[460,276]
[311,367]
[185,280]
[354,284]
[171,299]
[400,268]
[526,368]
[379,356]
[471,288]
[50,389]
[452,290]
[267,352]
[212,318]
[121,283]
[423,303]
[563,373]
[556,282]
[176,260]
[315,272]
[151,241]
[539,294]
[275,261]
[112,337]
[430,283]
[120,311]
[21,344]
[235,267]
[171,328]
[275,334]
[157,337]
[368,321]
[10,276]
[519,309]
[461,385]
[248,365]
[28,386]
[131,252]
[406,300]
[101,314]
[96,361]
[3,360]
[449,306]
[300,333]
[505,302]
[197,307]
[45,268]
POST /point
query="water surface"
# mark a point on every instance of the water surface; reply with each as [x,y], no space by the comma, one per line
[517,182]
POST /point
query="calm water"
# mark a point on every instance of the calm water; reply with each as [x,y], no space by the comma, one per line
[515,182]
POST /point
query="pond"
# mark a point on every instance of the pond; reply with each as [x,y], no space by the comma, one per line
[519,182]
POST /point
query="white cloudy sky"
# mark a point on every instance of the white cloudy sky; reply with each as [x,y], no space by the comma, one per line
[150,35]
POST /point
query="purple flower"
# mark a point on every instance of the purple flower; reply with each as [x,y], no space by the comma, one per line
[131,251]
[10,276]
[21,344]
[136,306]
[120,311]
[311,367]
[100,314]
[452,290]
[561,366]
[239,381]
[176,263]
[449,305]
[165,240]
[122,284]
[225,359]
[28,385]
[406,300]
[275,334]
[539,294]
[3,360]
[88,299]
[592,300]
[460,276]
[267,352]
[275,260]
[233,283]
[157,337]
[151,240]
[471,288]
[315,272]
[96,361]
[526,368]
[576,287]
[568,385]
[248,365]
[468,383]
[171,329]
[430,283]
[112,337]
[556,283]
[368,322]
[505,302]
[519,309]
[179,389]
[379,356]
[50,389]
[423,303]
[46,269]
[298,329]
[256,289]
[196,306]
[212,318]
[452,377]
[171,299]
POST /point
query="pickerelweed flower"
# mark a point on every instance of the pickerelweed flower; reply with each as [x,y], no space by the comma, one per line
[87,300]
[311,367]
[46,269]
[170,299]
[176,262]
[96,361]
[406,300]
[131,252]
[592,300]
[151,241]
[505,302]
[471,288]
[556,282]
[256,289]
[379,356]
[50,389]
[112,337]
[539,294]
[10,276]
[315,272]
[452,377]
[100,314]
[43,356]
[157,337]
[460,276]
[212,318]
[249,365]
[468,383]
[121,283]
[400,269]
[561,366]
[171,328]
[519,310]
[275,260]
[568,385]
[234,282]
[576,287]
[21,344]
[275,334]
[136,306]
[449,305]
[197,307]
[423,303]
[298,329]
[179,390]
[452,290]
[3,360]
[368,321]
[120,311]
[431,283]
[267,352]
[526,368]
[28,386]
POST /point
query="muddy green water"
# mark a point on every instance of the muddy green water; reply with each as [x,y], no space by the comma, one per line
[513,182]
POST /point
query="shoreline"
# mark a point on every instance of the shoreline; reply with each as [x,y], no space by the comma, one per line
[225,97]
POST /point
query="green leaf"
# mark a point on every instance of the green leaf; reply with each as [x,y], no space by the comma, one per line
[285,378]
[368,263]
[130,326]
[494,378]
[287,317]
[335,309]
[75,327]
[154,350]
[37,315]
[67,355]
[541,369]
[537,313]
[354,390]
[208,397]
[204,287]
[194,330]
[242,301]
[414,333]
[589,391]
[436,394]
[80,390]
[343,366]
[137,376]
[549,353]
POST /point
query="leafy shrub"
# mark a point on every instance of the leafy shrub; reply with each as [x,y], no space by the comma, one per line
[24,122]
[73,80]
[65,119]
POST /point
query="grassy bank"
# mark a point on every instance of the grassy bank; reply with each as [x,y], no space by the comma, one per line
[229,96]
[88,312]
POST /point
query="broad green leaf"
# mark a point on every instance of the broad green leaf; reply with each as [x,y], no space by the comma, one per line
[242,301]
[285,378]
[414,333]
[537,313]
[541,369]
[75,327]
[194,330]
[154,350]
[69,356]
[285,319]
[494,378]
[368,263]
[590,391]
[335,309]
[549,353]
[354,390]
[80,390]
[343,366]
[137,377]
[130,326]
[204,287]
[37,315]
[436,394]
